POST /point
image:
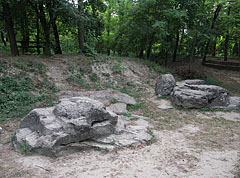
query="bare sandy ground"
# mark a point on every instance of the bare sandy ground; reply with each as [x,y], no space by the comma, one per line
[172,155]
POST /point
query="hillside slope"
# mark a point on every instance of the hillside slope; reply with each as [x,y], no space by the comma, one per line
[187,143]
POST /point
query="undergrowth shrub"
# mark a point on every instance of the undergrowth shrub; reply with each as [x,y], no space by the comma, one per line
[186,73]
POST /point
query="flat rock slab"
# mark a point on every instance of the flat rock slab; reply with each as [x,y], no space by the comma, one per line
[104,96]
[195,94]
[165,105]
[118,108]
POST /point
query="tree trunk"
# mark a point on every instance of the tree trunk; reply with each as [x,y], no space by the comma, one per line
[214,47]
[108,44]
[141,53]
[216,13]
[9,26]
[235,49]
[226,40]
[46,29]
[239,48]
[176,47]
[24,31]
[53,18]
[149,49]
[3,40]
[193,50]
[108,32]
[38,35]
[81,33]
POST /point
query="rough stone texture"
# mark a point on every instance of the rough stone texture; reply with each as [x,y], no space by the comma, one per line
[234,102]
[195,82]
[104,96]
[128,132]
[72,121]
[118,108]
[190,95]
[78,123]
[165,85]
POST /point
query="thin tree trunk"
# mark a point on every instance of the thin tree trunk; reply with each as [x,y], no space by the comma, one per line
[46,29]
[149,49]
[141,53]
[193,50]
[3,40]
[81,33]
[57,47]
[25,32]
[176,47]
[108,32]
[214,47]
[239,48]
[9,26]
[226,40]
[216,13]
[38,35]
[108,44]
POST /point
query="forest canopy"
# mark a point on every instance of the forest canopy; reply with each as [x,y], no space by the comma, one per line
[143,28]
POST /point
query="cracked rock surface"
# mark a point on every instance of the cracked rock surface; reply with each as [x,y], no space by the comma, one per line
[77,123]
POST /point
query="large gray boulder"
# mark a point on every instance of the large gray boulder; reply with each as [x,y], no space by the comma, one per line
[76,119]
[195,94]
[165,85]
[78,123]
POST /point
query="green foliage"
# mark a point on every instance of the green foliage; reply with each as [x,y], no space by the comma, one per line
[118,68]
[24,147]
[18,90]
[135,107]
[94,77]
[187,73]
[153,139]
[211,81]
[114,101]
[156,67]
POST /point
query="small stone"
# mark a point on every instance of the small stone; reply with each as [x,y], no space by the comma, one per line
[165,105]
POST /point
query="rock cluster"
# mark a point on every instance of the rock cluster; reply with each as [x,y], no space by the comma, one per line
[197,94]
[80,122]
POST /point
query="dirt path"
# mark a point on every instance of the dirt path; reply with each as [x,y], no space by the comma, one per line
[172,155]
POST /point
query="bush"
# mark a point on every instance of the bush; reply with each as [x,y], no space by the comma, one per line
[186,73]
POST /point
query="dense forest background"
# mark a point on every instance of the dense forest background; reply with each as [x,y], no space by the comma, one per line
[151,29]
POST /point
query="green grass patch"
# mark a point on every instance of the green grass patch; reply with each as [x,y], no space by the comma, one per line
[21,92]
[211,81]
[135,107]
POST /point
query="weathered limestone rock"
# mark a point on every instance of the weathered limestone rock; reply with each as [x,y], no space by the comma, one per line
[118,108]
[193,94]
[77,123]
[165,85]
[128,132]
[72,121]
[234,103]
[104,96]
